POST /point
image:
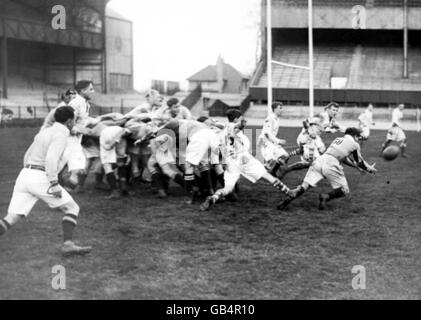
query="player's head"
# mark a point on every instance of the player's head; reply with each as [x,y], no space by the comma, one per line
[354,132]
[401,106]
[234,115]
[85,88]
[314,128]
[277,108]
[174,105]
[68,96]
[6,115]
[154,98]
[332,109]
[66,116]
[370,107]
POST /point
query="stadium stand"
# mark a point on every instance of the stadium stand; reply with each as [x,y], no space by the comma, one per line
[365,67]
[352,65]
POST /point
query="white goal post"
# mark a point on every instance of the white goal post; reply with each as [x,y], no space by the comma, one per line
[270,60]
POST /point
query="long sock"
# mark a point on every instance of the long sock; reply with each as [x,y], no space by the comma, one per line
[112,181]
[4,226]
[295,152]
[156,181]
[207,181]
[218,194]
[214,179]
[122,174]
[281,186]
[221,180]
[336,193]
[275,169]
[82,179]
[385,145]
[69,224]
[189,182]
[179,179]
[403,151]
[99,177]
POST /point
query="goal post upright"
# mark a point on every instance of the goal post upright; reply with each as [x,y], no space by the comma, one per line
[310,58]
[269,53]
[270,61]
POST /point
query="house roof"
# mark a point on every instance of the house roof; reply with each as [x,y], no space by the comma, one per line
[209,73]
[230,99]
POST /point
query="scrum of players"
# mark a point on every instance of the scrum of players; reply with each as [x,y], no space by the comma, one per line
[205,157]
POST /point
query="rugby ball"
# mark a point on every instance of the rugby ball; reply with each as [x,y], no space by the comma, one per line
[391,153]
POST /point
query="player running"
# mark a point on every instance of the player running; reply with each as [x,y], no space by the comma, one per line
[239,161]
[310,147]
[328,166]
[273,153]
[396,132]
[366,121]
[39,180]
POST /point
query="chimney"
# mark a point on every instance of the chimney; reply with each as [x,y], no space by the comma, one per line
[220,74]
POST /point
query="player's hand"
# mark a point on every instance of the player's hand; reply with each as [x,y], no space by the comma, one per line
[282,142]
[55,190]
[371,169]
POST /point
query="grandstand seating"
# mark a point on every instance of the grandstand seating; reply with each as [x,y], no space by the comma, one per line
[367,67]
[368,3]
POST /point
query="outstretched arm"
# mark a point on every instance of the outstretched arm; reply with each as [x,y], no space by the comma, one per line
[362,164]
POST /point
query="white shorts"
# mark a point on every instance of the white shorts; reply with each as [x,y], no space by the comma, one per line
[396,134]
[110,156]
[327,167]
[31,186]
[91,152]
[74,154]
[161,158]
[203,146]
[271,151]
[365,132]
[247,166]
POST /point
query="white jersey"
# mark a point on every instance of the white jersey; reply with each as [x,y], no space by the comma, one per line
[270,129]
[330,124]
[342,148]
[81,107]
[236,143]
[366,119]
[397,116]
[312,148]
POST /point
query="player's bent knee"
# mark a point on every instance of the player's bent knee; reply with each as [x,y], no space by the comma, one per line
[108,168]
[169,171]
[71,208]
[346,191]
[189,168]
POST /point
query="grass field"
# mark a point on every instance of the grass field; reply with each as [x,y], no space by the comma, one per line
[146,248]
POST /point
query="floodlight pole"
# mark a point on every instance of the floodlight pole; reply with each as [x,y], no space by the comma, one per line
[310,57]
[269,53]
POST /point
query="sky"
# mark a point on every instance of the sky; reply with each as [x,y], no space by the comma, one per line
[173,39]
